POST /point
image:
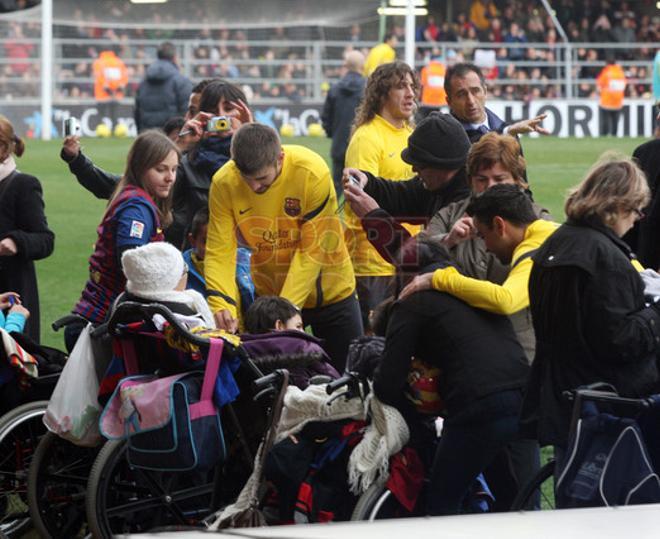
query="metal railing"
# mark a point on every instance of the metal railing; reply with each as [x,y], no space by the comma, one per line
[309,66]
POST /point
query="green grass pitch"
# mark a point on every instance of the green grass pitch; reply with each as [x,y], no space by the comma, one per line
[554,165]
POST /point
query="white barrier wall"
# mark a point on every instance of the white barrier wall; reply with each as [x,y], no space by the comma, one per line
[566,118]
[579,117]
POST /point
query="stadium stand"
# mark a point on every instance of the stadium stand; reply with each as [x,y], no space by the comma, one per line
[277,57]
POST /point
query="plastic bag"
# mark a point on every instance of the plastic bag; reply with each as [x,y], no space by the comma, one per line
[73,411]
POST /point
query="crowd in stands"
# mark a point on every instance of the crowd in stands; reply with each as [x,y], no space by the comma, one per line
[255,58]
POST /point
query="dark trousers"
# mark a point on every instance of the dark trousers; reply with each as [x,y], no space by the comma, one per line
[371,291]
[512,469]
[609,121]
[337,171]
[337,324]
[471,440]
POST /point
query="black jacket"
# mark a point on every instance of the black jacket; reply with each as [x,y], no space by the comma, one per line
[644,238]
[163,93]
[477,352]
[96,180]
[22,218]
[591,324]
[339,111]
[191,192]
[410,202]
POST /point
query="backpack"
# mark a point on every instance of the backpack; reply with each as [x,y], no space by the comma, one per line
[309,473]
[606,464]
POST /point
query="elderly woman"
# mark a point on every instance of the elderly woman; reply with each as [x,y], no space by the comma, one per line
[587,301]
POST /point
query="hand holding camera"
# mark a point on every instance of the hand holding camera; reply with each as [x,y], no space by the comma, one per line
[71,127]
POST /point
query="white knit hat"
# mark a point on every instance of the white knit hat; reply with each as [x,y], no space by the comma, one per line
[153,267]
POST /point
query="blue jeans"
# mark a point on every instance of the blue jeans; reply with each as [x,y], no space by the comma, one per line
[470,441]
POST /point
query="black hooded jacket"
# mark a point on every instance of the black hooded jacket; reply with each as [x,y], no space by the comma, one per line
[163,93]
[339,111]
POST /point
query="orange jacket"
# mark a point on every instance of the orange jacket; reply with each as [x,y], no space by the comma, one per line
[110,76]
[433,80]
[611,84]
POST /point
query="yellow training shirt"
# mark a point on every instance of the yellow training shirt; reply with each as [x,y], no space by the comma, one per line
[380,54]
[375,147]
[293,230]
[512,295]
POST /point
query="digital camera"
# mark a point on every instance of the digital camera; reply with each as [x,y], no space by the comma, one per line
[218,124]
[71,126]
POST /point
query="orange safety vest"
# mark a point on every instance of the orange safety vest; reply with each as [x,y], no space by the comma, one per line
[611,83]
[433,81]
[110,76]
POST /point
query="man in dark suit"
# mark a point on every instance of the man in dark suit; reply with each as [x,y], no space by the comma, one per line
[466,96]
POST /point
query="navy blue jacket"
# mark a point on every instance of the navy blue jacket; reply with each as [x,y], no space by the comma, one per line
[339,111]
[163,93]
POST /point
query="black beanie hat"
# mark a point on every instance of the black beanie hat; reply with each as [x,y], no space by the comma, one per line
[438,141]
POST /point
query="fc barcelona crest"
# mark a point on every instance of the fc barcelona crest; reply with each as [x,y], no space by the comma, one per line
[292,207]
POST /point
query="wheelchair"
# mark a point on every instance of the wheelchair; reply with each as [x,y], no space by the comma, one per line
[124,498]
[21,429]
[601,403]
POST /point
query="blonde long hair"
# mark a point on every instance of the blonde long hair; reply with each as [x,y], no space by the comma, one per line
[614,183]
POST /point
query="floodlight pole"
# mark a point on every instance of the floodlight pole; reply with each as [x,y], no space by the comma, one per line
[46,68]
[568,51]
[410,33]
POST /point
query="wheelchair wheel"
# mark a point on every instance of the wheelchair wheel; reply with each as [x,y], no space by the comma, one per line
[540,488]
[56,487]
[20,432]
[123,499]
[378,503]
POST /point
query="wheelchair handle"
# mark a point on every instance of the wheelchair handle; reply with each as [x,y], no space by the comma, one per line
[67,321]
[608,397]
[342,381]
[272,379]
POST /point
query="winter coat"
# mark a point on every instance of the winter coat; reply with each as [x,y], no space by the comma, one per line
[339,111]
[163,93]
[22,219]
[591,324]
[477,352]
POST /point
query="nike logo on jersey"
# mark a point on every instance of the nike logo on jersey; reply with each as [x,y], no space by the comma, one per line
[241,212]
[392,154]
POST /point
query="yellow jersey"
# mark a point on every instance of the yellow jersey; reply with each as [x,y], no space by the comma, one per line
[293,230]
[380,54]
[376,148]
[512,295]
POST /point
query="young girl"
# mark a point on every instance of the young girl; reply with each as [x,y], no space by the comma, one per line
[136,214]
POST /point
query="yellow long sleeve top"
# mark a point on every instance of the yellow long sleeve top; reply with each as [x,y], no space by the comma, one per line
[376,148]
[379,54]
[512,295]
[293,230]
